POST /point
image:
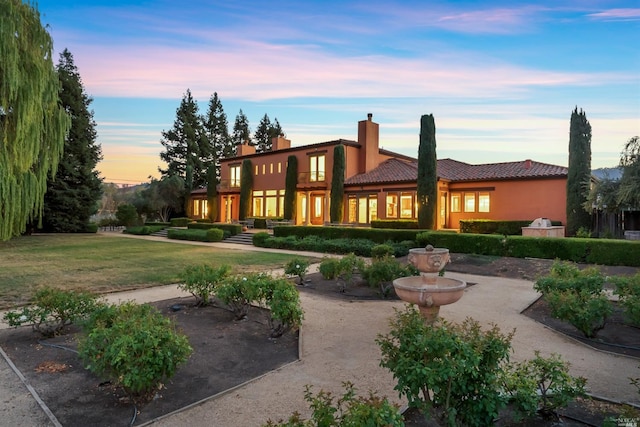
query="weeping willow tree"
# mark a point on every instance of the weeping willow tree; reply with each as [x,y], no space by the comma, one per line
[32,125]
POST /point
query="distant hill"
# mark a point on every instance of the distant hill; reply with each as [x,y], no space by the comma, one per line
[608,173]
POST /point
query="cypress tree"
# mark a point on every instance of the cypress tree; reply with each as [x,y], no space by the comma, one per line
[212,193]
[73,195]
[291,182]
[336,210]
[32,123]
[427,185]
[246,186]
[579,173]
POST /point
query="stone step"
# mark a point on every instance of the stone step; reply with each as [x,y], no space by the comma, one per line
[241,239]
[161,233]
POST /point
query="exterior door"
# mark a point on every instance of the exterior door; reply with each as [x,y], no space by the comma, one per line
[317,209]
[442,218]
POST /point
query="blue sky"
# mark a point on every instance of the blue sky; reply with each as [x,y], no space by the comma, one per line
[500,77]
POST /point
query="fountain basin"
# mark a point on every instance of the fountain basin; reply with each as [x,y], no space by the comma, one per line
[429,259]
[429,293]
[425,291]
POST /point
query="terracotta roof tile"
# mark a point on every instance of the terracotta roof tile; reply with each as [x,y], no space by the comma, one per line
[395,170]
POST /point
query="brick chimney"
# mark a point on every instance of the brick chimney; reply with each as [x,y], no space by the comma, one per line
[527,164]
[280,143]
[369,140]
[245,149]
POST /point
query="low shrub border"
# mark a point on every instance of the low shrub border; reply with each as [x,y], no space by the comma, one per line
[210,235]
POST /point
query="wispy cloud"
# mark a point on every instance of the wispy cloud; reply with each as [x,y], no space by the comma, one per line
[626,14]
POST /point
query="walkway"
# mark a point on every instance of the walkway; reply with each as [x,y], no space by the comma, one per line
[338,344]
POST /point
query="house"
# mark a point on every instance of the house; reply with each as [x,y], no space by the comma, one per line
[381,184]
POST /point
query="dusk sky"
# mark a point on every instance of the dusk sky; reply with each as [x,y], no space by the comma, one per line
[500,77]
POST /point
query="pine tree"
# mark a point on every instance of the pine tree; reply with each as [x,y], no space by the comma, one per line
[73,195]
[427,185]
[241,132]
[579,173]
[32,123]
[336,210]
[262,135]
[217,132]
[187,149]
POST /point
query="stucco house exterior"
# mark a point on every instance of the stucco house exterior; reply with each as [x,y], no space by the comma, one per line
[381,184]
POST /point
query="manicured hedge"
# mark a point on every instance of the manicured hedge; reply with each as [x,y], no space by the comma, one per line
[402,224]
[486,226]
[180,222]
[143,230]
[591,251]
[230,229]
[210,235]
[375,235]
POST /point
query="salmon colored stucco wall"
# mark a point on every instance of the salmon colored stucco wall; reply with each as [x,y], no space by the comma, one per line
[516,200]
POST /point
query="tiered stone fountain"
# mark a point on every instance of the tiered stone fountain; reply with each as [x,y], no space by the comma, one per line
[429,291]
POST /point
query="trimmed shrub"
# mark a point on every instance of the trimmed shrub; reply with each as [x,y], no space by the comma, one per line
[384,270]
[53,310]
[381,251]
[238,292]
[134,346]
[180,222]
[231,229]
[260,239]
[201,281]
[127,215]
[144,230]
[628,290]
[453,370]
[348,410]
[297,267]
[214,235]
[210,235]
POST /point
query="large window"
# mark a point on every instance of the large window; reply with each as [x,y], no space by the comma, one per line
[363,209]
[316,168]
[269,203]
[483,202]
[469,202]
[455,202]
[406,205]
[234,176]
[392,205]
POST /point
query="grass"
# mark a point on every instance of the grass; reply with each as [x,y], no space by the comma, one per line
[101,263]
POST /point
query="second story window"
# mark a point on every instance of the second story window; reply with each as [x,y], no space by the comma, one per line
[234,176]
[316,168]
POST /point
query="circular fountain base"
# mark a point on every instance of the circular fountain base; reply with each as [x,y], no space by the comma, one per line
[429,293]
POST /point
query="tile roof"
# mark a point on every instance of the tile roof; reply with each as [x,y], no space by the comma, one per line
[395,170]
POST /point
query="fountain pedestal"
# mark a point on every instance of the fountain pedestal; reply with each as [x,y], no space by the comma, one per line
[429,291]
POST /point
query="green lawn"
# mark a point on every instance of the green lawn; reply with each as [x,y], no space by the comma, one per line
[104,263]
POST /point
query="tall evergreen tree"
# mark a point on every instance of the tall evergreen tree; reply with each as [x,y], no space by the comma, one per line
[246,188]
[73,194]
[629,190]
[336,210]
[264,134]
[427,185]
[32,123]
[291,182]
[186,144]
[216,129]
[579,173]
[241,132]
[212,194]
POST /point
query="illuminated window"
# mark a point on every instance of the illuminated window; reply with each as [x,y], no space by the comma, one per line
[469,202]
[483,202]
[316,168]
[353,209]
[455,202]
[392,205]
[264,169]
[279,167]
[406,205]
[205,208]
[257,169]
[373,208]
[270,167]
[234,176]
[196,207]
